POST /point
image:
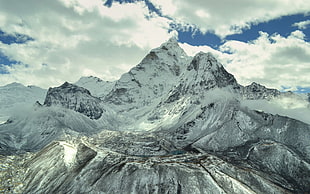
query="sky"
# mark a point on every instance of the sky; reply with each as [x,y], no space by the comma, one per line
[48,42]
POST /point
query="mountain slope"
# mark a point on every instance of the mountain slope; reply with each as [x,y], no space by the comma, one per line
[110,172]
[15,95]
[96,86]
[38,126]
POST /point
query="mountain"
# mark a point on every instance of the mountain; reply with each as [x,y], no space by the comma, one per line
[172,124]
[75,98]
[256,91]
[67,110]
[157,73]
[95,85]
[15,95]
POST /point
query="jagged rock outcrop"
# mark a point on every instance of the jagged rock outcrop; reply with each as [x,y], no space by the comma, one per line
[256,91]
[75,98]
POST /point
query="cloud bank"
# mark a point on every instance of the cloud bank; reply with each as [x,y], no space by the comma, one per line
[227,17]
[271,60]
[67,39]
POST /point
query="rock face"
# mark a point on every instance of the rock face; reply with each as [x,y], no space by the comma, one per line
[75,98]
[172,124]
[257,91]
[203,73]
[206,72]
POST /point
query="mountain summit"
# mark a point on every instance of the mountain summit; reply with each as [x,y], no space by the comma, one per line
[172,124]
[152,78]
[204,72]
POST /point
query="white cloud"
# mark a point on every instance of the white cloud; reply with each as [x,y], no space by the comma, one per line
[302,25]
[292,108]
[193,50]
[271,60]
[74,38]
[228,17]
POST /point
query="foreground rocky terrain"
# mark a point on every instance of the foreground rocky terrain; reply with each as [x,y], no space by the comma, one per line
[172,124]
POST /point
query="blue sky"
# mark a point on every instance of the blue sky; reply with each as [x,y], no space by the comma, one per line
[282,26]
[45,42]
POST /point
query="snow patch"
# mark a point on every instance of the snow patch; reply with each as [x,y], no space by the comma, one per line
[69,153]
[3,119]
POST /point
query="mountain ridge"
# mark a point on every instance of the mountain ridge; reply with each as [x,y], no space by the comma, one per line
[75,98]
[173,123]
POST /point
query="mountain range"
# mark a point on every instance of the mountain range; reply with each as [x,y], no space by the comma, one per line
[172,124]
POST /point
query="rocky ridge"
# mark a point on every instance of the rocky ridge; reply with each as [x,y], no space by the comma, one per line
[256,91]
[75,98]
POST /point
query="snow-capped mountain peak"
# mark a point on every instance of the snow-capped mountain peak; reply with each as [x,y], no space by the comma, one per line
[96,86]
[15,95]
[173,48]
[14,85]
[152,78]
[204,62]
[204,72]
[258,91]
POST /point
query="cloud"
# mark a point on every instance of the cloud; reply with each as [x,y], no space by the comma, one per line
[74,38]
[302,25]
[271,60]
[293,108]
[226,17]
[193,50]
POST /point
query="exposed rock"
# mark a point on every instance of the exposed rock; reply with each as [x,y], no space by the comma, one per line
[75,98]
[257,91]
